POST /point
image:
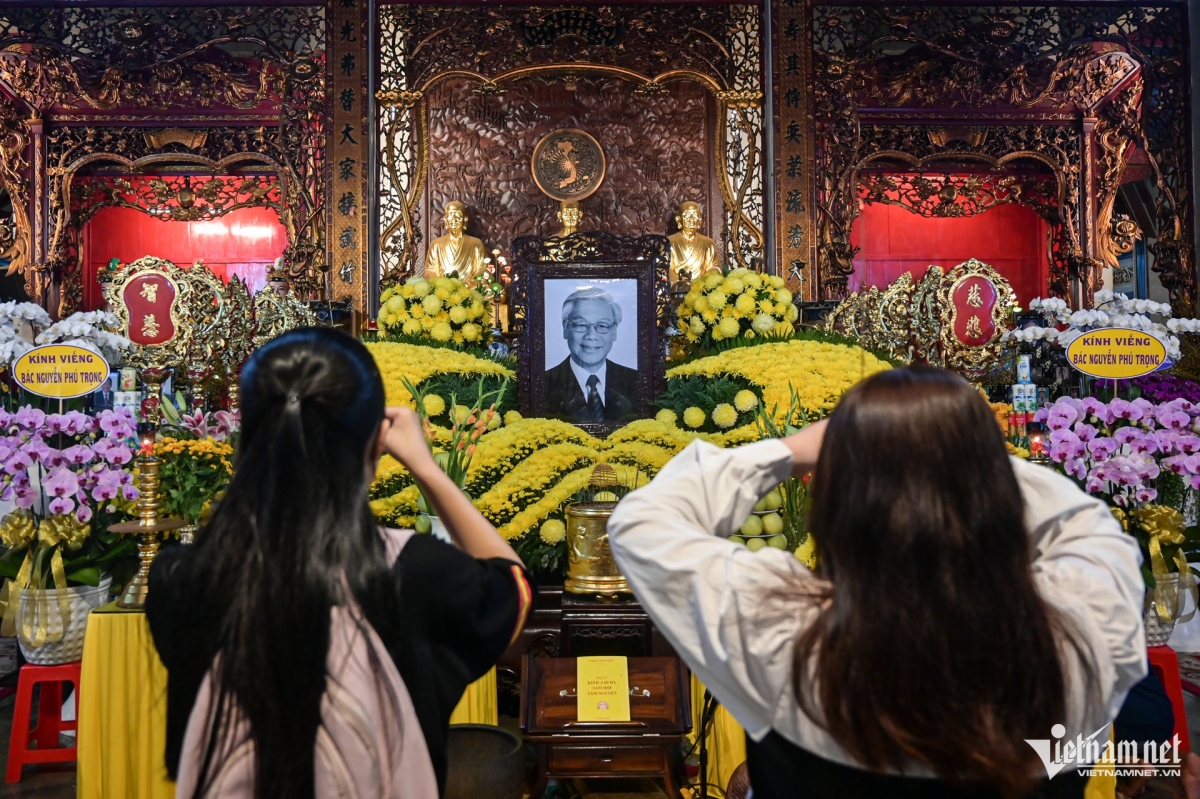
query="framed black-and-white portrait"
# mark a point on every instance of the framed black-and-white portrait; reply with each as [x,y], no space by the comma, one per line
[592,350]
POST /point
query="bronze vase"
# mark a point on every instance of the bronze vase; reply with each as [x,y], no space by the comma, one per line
[591,568]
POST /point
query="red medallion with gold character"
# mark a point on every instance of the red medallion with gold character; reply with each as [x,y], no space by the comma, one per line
[150,299]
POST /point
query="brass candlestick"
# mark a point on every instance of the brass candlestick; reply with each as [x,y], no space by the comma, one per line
[148,527]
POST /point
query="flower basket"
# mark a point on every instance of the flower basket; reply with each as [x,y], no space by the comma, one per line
[742,304]
[40,612]
[442,310]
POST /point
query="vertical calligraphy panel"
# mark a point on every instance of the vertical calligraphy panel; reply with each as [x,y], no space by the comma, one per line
[795,240]
[347,203]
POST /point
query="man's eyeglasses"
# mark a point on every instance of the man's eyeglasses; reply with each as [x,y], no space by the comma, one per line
[601,328]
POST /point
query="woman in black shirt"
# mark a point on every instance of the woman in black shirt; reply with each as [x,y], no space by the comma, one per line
[244,615]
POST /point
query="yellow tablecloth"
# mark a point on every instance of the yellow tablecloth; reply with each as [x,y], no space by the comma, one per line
[727,750]
[122,709]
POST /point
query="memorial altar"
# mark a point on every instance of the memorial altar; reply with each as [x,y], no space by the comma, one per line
[575,239]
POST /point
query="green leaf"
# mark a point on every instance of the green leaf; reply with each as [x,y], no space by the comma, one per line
[89,575]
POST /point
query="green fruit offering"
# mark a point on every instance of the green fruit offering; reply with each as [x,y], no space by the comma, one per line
[778,541]
[772,523]
[422,524]
[423,504]
[752,526]
[761,505]
[755,544]
[737,539]
[773,501]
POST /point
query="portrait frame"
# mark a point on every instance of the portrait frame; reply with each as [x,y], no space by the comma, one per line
[643,260]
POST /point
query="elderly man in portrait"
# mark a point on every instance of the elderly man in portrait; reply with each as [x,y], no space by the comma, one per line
[587,386]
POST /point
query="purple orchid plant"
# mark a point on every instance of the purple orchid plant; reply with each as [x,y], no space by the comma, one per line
[79,461]
[1141,458]
[68,474]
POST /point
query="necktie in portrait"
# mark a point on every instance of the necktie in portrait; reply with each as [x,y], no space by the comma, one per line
[595,404]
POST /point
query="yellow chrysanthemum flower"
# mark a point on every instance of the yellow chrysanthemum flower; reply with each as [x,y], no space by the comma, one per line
[407,291]
[421,287]
[553,531]
[442,331]
[717,299]
[745,303]
[763,323]
[783,296]
[732,285]
[432,304]
[434,405]
[512,417]
[471,332]
[694,417]
[709,315]
[806,553]
[697,325]
[700,304]
[724,415]
[458,314]
[412,327]
[745,400]
[729,327]
[667,416]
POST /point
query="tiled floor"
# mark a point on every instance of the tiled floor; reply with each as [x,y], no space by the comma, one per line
[51,781]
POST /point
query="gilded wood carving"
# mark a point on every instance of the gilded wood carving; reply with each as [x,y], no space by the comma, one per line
[489,52]
[259,69]
[916,68]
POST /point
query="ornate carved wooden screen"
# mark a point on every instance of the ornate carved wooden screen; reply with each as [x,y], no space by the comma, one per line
[219,91]
[1061,93]
[466,91]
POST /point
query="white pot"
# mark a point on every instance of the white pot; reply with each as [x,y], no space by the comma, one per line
[439,530]
[41,606]
[1158,632]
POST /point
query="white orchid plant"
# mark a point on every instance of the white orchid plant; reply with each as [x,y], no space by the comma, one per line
[93,330]
[1111,310]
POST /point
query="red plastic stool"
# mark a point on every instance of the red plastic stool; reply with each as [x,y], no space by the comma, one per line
[49,722]
[1166,665]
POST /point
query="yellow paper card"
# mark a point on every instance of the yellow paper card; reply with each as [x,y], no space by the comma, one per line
[602,692]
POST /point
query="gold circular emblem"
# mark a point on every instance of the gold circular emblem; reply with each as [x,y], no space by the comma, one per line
[568,164]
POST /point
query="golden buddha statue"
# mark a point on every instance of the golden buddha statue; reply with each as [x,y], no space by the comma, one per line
[570,215]
[692,253]
[456,251]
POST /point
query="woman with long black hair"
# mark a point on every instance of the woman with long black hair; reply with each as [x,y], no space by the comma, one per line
[310,652]
[965,603]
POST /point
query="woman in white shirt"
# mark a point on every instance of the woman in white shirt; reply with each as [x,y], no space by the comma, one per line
[965,602]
